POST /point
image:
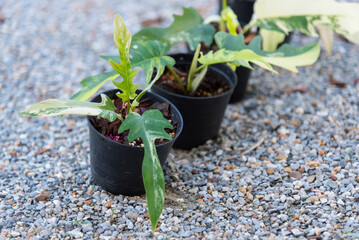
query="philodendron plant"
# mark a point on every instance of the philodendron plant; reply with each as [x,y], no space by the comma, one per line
[232,49]
[276,18]
[148,127]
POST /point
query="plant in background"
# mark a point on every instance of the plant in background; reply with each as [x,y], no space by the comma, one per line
[233,50]
[278,17]
[148,55]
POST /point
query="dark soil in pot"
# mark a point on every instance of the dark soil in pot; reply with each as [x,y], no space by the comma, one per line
[116,164]
[242,73]
[202,115]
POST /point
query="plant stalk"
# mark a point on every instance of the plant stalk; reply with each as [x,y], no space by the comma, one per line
[200,68]
[120,117]
[248,27]
[222,26]
[128,106]
[192,69]
[224,4]
[178,80]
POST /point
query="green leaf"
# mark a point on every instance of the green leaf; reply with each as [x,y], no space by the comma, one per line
[148,56]
[122,37]
[304,15]
[92,84]
[57,107]
[149,127]
[287,57]
[235,57]
[186,28]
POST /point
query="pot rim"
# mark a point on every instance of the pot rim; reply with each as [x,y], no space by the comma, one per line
[174,110]
[232,85]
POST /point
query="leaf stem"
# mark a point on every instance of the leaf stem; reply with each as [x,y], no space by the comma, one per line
[200,67]
[178,80]
[224,4]
[248,27]
[192,69]
[128,106]
[120,117]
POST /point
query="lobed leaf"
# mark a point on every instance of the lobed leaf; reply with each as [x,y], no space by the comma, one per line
[122,37]
[188,27]
[149,127]
[287,57]
[57,107]
[147,55]
[304,15]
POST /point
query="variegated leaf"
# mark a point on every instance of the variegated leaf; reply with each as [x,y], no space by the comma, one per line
[230,19]
[58,107]
[304,15]
[92,84]
[287,57]
[271,39]
[149,127]
[235,57]
[122,37]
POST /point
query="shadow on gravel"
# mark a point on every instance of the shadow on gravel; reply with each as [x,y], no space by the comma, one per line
[177,199]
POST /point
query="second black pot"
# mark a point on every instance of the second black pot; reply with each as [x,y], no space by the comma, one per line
[243,74]
[242,8]
[117,167]
[202,116]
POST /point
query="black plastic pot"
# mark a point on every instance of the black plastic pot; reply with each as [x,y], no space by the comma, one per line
[116,167]
[202,116]
[243,75]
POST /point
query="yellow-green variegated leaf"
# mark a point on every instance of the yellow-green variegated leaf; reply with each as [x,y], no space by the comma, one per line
[230,19]
[59,107]
[271,39]
[122,37]
[287,57]
[235,57]
[92,84]
[188,27]
[149,127]
[304,15]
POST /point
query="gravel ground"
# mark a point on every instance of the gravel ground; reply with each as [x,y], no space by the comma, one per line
[301,181]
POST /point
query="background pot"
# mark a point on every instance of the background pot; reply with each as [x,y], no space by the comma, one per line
[116,167]
[202,116]
[243,74]
[242,8]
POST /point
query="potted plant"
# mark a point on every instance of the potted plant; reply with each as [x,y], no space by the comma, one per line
[277,18]
[203,114]
[129,161]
